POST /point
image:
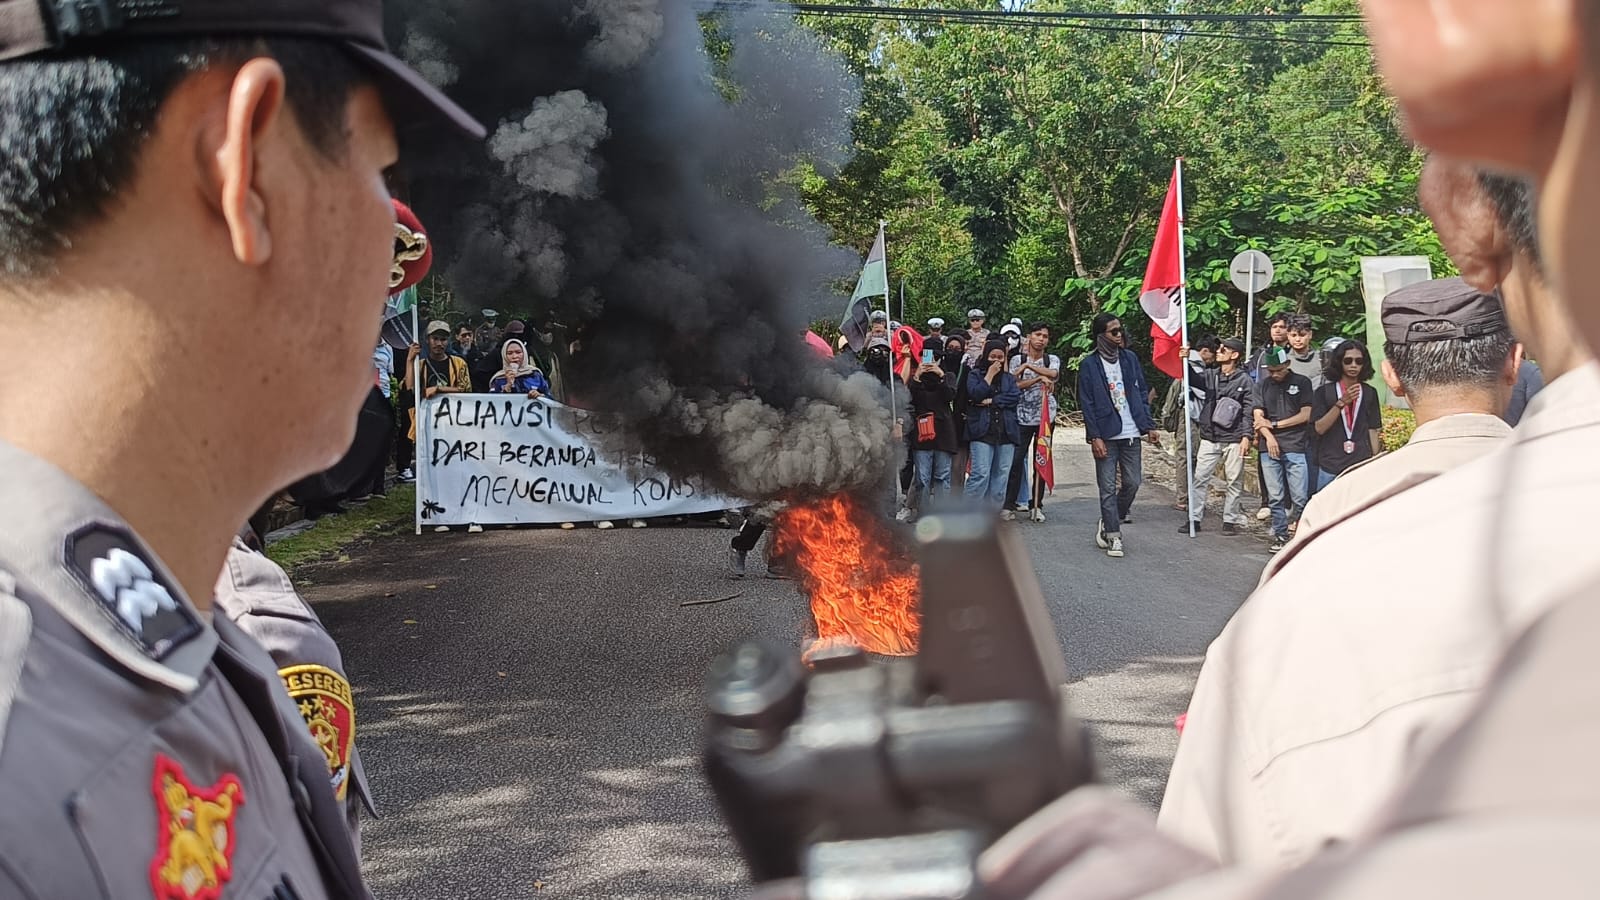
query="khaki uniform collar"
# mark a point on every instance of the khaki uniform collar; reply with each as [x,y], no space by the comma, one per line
[1460,425]
[67,547]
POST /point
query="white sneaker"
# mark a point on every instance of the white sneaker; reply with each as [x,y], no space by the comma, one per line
[567,526]
[604,526]
[1115,550]
[441,529]
[474,528]
[638,523]
[407,476]
[1038,514]
[1007,515]
[1263,514]
[904,515]
[1100,536]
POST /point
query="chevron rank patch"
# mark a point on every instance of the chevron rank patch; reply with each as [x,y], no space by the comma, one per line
[141,603]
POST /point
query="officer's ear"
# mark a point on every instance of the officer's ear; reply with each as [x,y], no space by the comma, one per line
[254,117]
[1513,366]
[1392,379]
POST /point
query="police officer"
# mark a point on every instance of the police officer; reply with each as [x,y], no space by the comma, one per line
[175,173]
[257,595]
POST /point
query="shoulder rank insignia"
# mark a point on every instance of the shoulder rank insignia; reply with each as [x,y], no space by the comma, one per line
[325,701]
[194,838]
[142,605]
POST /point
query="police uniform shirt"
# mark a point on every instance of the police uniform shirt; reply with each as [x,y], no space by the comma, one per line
[1324,691]
[258,596]
[1438,446]
[143,751]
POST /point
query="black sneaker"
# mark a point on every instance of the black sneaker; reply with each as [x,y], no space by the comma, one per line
[778,572]
[1185,528]
[1127,519]
[1279,541]
[1229,528]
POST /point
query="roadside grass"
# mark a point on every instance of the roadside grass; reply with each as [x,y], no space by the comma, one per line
[332,535]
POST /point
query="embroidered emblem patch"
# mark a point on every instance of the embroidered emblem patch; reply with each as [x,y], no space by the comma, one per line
[326,703]
[1294,390]
[140,602]
[194,837]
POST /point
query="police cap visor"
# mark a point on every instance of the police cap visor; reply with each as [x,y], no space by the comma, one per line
[65,27]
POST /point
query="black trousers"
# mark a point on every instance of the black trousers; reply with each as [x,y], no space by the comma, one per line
[405,449]
[1019,468]
[375,481]
[749,535]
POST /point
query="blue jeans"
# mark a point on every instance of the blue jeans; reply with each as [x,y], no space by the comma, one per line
[1324,478]
[1286,484]
[991,467]
[933,475]
[1115,505]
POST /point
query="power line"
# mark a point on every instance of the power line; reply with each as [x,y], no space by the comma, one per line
[1066,21]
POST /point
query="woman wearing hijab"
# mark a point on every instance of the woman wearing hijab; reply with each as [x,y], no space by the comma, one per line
[517,374]
[992,398]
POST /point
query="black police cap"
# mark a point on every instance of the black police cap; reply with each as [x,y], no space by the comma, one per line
[1443,310]
[64,27]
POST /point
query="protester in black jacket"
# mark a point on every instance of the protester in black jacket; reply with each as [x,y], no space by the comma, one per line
[1226,432]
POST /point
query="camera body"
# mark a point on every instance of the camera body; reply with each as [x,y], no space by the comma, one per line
[884,779]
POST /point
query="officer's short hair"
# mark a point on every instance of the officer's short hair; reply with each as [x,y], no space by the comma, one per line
[72,128]
[1474,362]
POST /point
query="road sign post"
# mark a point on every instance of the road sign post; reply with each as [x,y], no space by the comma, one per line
[1252,273]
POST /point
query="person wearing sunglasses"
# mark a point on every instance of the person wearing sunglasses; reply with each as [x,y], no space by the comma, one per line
[1346,413]
[1116,413]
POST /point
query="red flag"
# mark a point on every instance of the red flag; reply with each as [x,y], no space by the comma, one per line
[1162,296]
[1043,455]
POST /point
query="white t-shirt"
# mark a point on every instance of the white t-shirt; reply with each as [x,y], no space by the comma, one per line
[1119,397]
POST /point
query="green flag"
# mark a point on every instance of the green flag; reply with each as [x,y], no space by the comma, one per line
[874,283]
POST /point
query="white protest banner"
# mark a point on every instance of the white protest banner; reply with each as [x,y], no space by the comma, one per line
[496,459]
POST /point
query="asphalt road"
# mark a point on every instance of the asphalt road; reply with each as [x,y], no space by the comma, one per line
[529,700]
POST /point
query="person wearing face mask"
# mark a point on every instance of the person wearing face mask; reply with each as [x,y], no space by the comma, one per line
[992,431]
[956,369]
[933,432]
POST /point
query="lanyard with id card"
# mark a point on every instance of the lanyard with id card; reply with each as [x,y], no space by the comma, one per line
[1348,417]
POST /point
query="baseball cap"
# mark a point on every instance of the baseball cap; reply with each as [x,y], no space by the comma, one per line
[1445,310]
[976,314]
[1011,328]
[1234,344]
[515,326]
[1275,356]
[437,326]
[35,27]
[935,322]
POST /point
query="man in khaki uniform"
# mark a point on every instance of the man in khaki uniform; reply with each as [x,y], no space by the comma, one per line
[1503,805]
[175,173]
[1450,353]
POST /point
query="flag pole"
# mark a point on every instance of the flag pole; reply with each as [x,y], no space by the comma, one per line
[416,412]
[894,413]
[1183,298]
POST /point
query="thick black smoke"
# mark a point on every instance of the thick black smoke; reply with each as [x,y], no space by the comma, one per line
[629,188]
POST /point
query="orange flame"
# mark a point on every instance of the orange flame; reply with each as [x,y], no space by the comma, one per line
[863,589]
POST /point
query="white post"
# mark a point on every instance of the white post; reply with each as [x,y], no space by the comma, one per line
[1183,295]
[1250,313]
[416,409]
[894,413]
